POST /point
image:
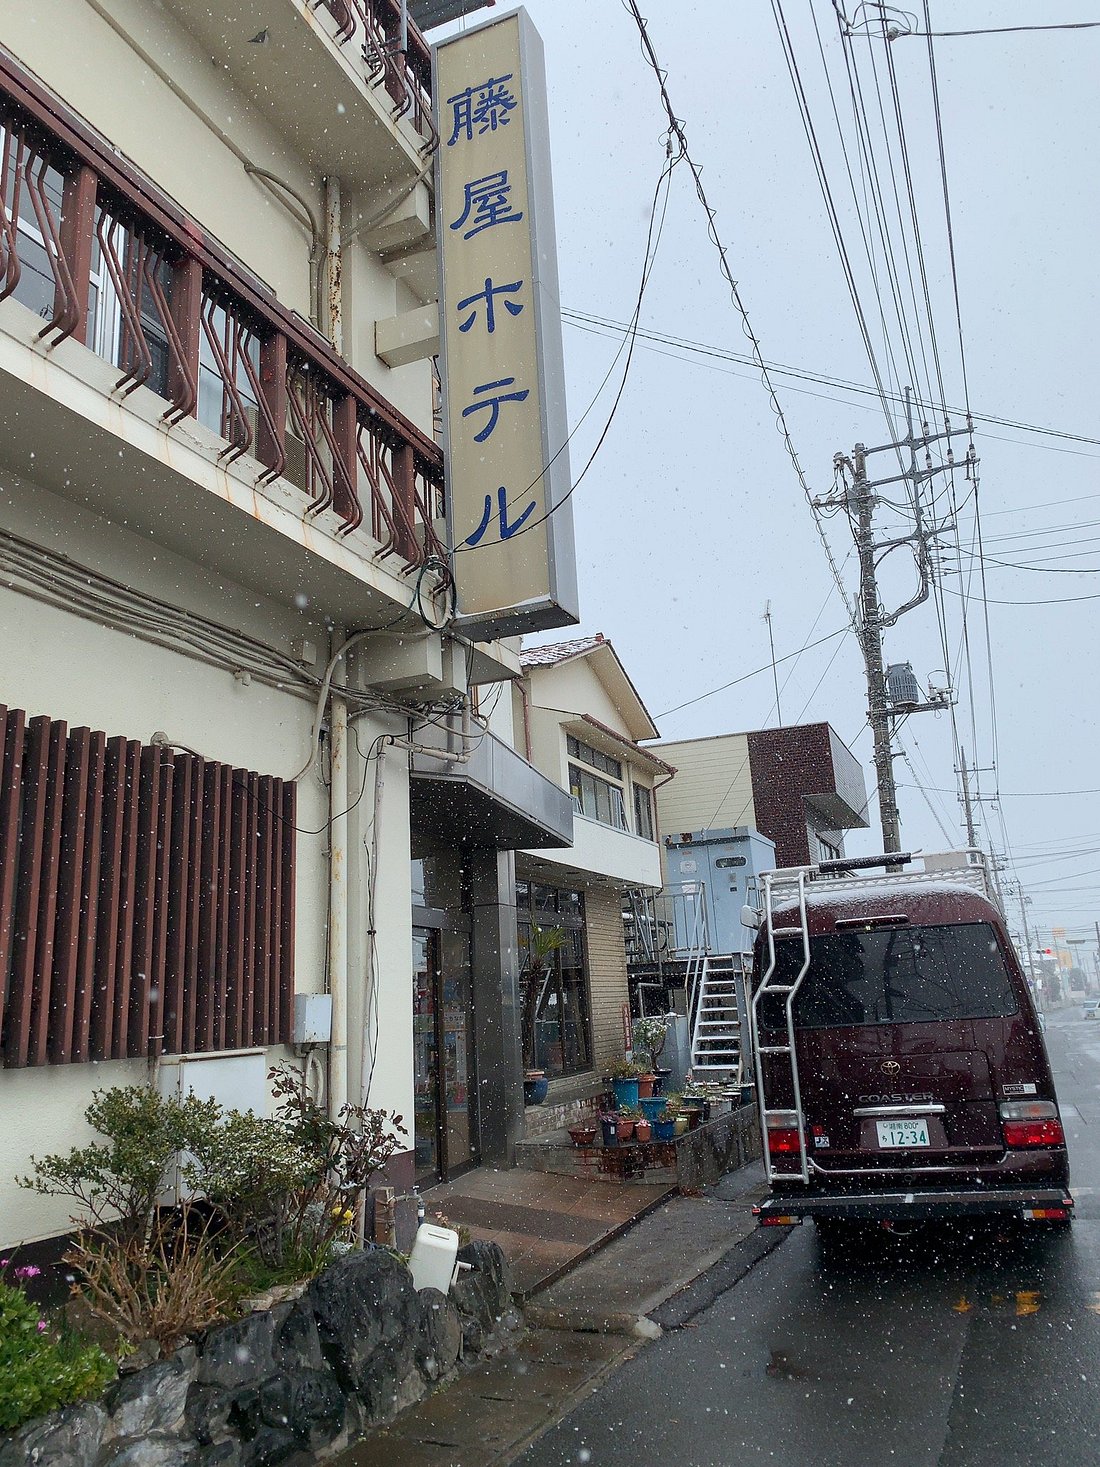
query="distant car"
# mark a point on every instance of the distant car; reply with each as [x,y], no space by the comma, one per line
[1090,1009]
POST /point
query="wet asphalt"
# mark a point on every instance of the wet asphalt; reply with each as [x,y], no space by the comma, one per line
[941,1349]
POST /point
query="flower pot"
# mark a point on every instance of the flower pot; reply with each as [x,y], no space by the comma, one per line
[608,1127]
[660,1084]
[535,1088]
[642,1130]
[652,1106]
[664,1130]
[626,1093]
[582,1135]
[624,1128]
[694,1116]
[645,1086]
[680,1125]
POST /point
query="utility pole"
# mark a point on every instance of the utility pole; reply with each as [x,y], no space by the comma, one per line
[856,493]
[775,673]
[971,833]
[870,640]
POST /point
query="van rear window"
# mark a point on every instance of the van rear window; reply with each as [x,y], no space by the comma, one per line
[901,975]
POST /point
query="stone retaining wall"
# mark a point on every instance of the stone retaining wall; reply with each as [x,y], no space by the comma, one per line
[308,1376]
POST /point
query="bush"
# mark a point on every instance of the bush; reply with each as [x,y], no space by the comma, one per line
[41,1368]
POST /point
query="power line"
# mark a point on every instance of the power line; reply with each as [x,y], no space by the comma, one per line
[755,673]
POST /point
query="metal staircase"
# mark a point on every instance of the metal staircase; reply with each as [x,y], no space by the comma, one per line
[716,1032]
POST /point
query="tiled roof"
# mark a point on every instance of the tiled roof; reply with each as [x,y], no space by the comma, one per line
[555,652]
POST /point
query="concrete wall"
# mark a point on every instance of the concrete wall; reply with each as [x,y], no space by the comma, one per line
[72,668]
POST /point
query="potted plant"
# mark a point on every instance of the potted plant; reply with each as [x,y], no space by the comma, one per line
[664,1127]
[652,1106]
[584,1135]
[648,1036]
[643,1130]
[624,1125]
[624,1079]
[609,1127]
[535,1087]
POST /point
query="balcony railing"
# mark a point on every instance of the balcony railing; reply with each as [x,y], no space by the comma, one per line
[103,256]
[373,27]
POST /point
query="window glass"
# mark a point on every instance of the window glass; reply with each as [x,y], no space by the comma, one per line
[643,812]
[897,975]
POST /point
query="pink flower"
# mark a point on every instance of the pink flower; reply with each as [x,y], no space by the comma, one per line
[42,1326]
[28,1271]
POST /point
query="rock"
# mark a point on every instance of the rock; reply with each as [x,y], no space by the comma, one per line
[150,1451]
[242,1351]
[67,1438]
[369,1319]
[270,1446]
[225,1454]
[150,1400]
[208,1408]
[297,1344]
[310,1404]
[483,1292]
[440,1342]
[145,1354]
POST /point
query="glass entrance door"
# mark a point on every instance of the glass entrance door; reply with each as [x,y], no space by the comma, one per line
[444,1135]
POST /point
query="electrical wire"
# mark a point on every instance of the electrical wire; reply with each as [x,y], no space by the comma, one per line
[756,672]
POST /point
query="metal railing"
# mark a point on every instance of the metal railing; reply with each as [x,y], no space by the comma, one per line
[374,28]
[104,257]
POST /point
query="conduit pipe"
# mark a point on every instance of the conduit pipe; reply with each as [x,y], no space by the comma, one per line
[338,904]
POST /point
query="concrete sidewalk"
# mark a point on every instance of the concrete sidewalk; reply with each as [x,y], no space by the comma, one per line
[580,1328]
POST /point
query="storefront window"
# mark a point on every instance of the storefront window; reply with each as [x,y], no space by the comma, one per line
[562,1040]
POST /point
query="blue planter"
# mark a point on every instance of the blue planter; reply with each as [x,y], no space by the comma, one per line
[608,1125]
[664,1130]
[535,1091]
[626,1093]
[652,1106]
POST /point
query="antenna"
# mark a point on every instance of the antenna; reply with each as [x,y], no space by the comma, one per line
[775,674]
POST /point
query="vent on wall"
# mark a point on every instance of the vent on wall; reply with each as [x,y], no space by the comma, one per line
[146,899]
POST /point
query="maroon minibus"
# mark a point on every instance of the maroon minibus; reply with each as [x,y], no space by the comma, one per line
[901,1070]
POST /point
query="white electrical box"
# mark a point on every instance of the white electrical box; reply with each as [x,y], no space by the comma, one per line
[312,1018]
[433,1257]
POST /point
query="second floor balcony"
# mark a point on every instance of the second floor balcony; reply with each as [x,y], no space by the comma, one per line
[148,374]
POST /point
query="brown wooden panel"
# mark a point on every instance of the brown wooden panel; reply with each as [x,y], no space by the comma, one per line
[275,987]
[12,730]
[191,1038]
[122,1042]
[89,905]
[17,1031]
[177,905]
[271,436]
[143,981]
[287,877]
[250,894]
[238,858]
[78,201]
[38,1049]
[186,304]
[70,877]
[225,846]
[404,497]
[210,878]
[159,966]
[110,876]
[264,906]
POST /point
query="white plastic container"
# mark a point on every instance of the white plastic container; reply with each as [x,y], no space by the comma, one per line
[433,1257]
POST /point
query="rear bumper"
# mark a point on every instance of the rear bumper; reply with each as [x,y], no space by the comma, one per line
[914,1206]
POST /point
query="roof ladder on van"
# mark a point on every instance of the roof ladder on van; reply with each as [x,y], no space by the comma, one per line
[772,1060]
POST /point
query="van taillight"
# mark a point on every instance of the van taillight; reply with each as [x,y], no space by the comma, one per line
[783,1133]
[1031,1123]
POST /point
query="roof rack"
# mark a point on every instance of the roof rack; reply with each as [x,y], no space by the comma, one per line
[966,867]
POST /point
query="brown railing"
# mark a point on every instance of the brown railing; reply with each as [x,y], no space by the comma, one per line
[146,899]
[103,256]
[374,27]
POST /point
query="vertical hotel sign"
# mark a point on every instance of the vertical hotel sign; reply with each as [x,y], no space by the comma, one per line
[500,328]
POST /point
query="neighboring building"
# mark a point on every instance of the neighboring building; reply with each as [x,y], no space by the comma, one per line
[579,719]
[801,787]
[218,466]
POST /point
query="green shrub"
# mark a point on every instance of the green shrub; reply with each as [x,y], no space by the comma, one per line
[40,1367]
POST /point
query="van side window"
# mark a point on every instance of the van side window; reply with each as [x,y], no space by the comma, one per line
[900,975]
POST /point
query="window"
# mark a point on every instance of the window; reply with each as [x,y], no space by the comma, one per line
[229,374]
[593,758]
[897,975]
[643,812]
[596,798]
[562,1027]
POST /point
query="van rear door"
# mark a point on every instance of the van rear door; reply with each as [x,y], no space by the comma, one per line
[897,1056]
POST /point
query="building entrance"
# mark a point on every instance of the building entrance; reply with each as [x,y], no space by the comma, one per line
[444,1125]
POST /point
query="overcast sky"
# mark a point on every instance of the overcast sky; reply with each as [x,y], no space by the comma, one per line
[692,518]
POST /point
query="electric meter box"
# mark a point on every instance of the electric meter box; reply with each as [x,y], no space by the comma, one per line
[312,1018]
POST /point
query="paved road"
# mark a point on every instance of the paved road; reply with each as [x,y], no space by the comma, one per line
[981,1353]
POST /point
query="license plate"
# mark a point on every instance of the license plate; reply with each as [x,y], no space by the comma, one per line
[894,1134]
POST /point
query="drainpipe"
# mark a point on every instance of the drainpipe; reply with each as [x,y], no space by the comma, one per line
[525,699]
[338,903]
[332,319]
